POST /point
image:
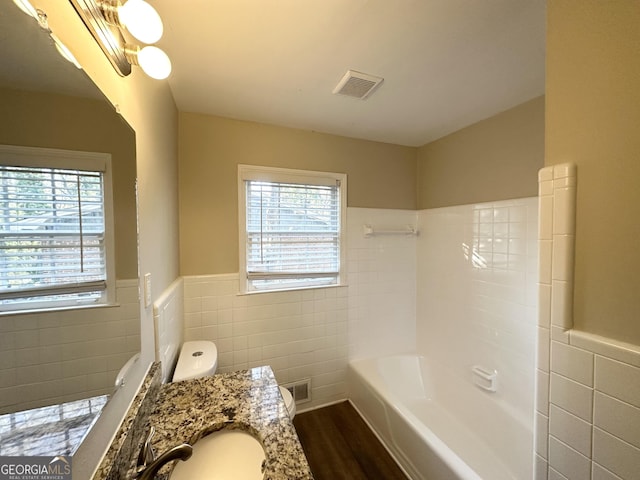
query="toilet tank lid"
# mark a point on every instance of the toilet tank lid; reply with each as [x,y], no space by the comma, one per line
[197,358]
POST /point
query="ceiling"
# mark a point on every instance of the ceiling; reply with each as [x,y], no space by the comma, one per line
[446,63]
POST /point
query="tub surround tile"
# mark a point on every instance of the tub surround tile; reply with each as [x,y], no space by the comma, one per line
[618,380]
[542,392]
[594,398]
[567,461]
[542,434]
[572,363]
[571,430]
[615,455]
[248,400]
[555,475]
[606,347]
[559,334]
[601,473]
[617,418]
[540,468]
[571,396]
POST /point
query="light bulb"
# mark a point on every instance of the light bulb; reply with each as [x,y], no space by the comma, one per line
[141,20]
[154,62]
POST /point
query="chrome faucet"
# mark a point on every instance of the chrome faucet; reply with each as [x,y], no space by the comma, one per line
[148,464]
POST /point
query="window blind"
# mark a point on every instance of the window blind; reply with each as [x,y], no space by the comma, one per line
[292,234]
[52,234]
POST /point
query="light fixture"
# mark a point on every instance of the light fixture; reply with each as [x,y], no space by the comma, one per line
[153,61]
[41,17]
[109,20]
[139,18]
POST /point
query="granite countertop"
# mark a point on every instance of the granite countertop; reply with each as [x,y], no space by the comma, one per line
[249,400]
[49,431]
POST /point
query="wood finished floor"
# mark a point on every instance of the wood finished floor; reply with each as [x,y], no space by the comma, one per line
[339,445]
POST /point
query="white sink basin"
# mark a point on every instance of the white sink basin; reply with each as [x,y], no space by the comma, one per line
[223,455]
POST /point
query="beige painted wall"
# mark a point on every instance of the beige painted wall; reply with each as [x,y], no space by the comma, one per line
[71,123]
[495,159]
[592,119]
[379,175]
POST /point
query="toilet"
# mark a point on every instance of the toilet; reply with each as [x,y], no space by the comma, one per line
[289,402]
[200,358]
[197,359]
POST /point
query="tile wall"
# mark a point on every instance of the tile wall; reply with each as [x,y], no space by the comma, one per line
[168,320]
[588,387]
[382,282]
[310,333]
[477,306]
[55,357]
[301,334]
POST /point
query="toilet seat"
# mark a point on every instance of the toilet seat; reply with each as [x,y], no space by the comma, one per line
[288,401]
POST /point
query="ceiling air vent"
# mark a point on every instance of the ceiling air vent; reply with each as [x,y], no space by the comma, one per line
[358,85]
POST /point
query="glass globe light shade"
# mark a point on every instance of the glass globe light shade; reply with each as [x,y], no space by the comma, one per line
[141,20]
[154,62]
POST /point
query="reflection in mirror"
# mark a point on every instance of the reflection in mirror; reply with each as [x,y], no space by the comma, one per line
[49,358]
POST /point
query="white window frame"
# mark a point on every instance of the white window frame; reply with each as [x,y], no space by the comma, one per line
[284,175]
[21,156]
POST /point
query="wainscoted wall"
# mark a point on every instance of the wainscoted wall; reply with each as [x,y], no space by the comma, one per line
[55,357]
[477,306]
[588,386]
[168,320]
[312,333]
[301,334]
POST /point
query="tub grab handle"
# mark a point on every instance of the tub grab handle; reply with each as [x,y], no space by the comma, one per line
[485,379]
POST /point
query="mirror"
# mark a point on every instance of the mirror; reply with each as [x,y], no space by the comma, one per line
[49,358]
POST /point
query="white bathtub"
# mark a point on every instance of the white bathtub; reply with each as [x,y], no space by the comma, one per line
[420,413]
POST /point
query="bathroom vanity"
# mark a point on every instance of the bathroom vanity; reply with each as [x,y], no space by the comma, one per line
[186,411]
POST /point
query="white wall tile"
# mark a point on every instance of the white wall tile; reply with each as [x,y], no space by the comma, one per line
[545,223]
[615,455]
[35,347]
[542,392]
[564,208]
[600,473]
[542,435]
[563,257]
[475,305]
[571,396]
[562,304]
[545,265]
[570,429]
[555,475]
[544,305]
[617,418]
[543,354]
[567,461]
[607,347]
[540,468]
[572,363]
[618,380]
[559,334]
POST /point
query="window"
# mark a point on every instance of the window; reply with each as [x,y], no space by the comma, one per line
[55,229]
[291,228]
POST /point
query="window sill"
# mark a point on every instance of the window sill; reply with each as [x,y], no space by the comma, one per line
[295,289]
[35,311]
